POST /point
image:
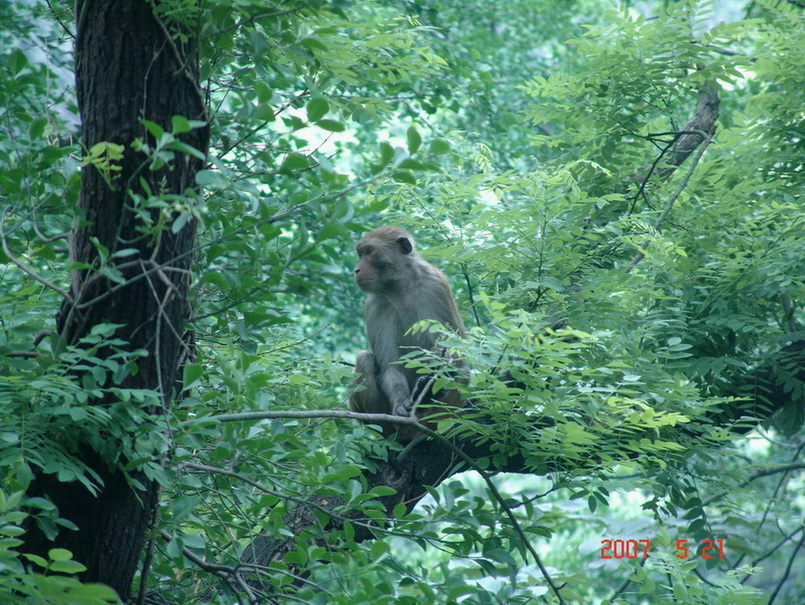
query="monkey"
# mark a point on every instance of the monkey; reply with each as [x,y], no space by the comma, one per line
[402,289]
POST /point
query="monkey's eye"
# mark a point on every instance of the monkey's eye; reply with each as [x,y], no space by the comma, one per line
[366,251]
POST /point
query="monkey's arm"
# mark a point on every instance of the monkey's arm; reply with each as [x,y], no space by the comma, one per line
[395,386]
[390,376]
[369,400]
[442,304]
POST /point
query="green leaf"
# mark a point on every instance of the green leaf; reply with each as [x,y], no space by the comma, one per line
[24,474]
[89,594]
[180,221]
[317,108]
[155,129]
[192,375]
[211,178]
[187,149]
[331,125]
[265,112]
[414,140]
[37,128]
[386,153]
[349,530]
[180,125]
[70,567]
[36,560]
[403,176]
[294,162]
[264,92]
[381,491]
[411,164]
[60,554]
[313,44]
[17,61]
[439,146]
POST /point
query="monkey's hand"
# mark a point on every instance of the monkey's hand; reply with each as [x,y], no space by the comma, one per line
[404,408]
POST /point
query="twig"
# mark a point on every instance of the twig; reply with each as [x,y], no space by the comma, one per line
[404,421]
[675,196]
[24,268]
[794,555]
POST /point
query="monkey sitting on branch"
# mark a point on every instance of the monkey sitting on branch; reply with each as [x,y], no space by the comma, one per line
[403,289]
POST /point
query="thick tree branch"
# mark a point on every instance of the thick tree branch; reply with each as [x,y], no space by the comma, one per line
[700,127]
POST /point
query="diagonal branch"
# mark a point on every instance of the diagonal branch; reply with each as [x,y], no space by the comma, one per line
[674,197]
[700,127]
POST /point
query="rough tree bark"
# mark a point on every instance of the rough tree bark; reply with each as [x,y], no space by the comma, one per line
[128,68]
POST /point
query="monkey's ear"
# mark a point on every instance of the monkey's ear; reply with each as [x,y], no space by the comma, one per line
[405,244]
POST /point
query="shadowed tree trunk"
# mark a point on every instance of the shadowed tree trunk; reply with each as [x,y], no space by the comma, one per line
[128,68]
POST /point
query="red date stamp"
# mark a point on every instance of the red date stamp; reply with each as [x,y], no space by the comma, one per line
[632,549]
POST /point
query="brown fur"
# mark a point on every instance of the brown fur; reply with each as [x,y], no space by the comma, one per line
[403,289]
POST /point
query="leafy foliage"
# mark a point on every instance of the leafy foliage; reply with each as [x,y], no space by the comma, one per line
[57,584]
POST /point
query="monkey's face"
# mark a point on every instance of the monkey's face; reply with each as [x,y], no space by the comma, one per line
[372,269]
[382,263]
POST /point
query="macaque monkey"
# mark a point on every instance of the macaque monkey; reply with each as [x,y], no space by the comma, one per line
[403,289]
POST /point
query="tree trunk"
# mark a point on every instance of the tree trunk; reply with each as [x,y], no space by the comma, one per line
[128,68]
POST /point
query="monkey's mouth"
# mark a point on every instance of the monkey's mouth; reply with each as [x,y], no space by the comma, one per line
[364,282]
